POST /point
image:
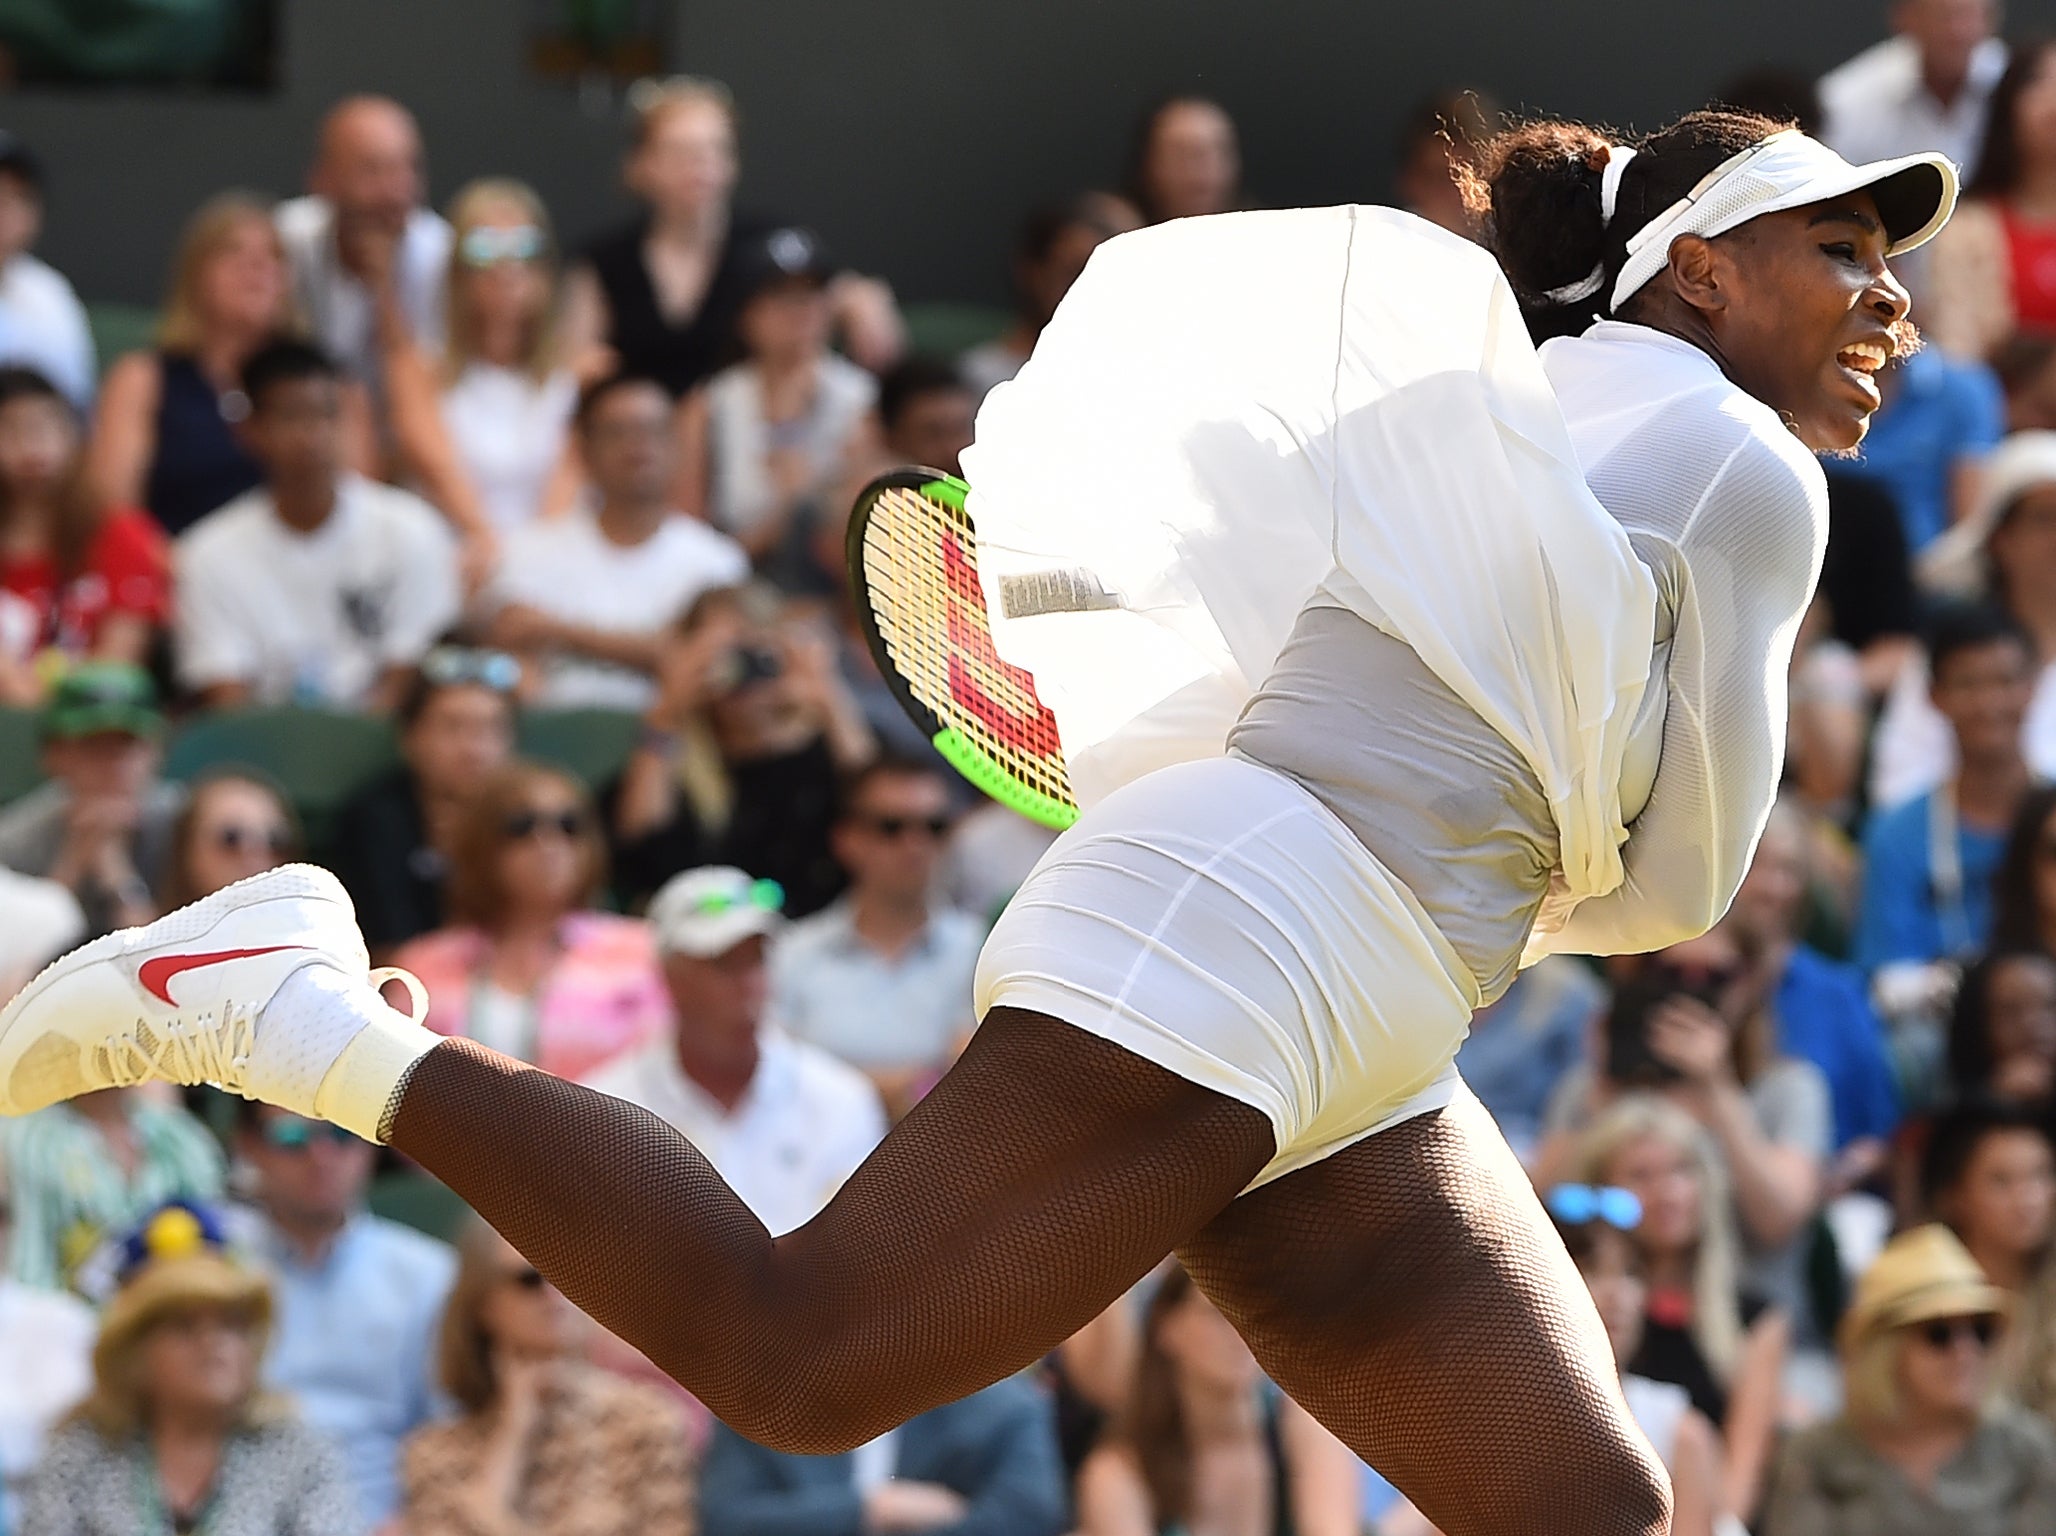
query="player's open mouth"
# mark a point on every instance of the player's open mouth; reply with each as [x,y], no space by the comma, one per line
[1860,362]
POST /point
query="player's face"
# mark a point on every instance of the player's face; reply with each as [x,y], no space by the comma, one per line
[1809,314]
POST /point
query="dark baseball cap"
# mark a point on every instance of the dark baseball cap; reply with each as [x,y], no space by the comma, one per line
[17,157]
[786,254]
[101,696]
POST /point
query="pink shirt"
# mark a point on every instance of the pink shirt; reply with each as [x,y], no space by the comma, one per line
[605,996]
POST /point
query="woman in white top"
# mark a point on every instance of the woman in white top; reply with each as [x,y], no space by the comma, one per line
[1319,462]
[486,427]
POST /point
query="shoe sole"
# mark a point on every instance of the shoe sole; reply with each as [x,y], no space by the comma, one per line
[289,882]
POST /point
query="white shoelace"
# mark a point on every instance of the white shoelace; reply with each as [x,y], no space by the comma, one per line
[208,1048]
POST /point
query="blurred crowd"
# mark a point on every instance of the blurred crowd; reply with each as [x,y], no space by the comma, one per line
[504,578]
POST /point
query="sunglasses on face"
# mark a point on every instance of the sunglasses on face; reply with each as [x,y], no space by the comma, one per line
[764,895]
[450,664]
[526,824]
[1576,1204]
[488,246]
[299,1135]
[899,826]
[1944,1332]
[240,839]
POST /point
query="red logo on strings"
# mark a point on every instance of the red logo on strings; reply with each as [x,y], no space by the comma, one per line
[972,653]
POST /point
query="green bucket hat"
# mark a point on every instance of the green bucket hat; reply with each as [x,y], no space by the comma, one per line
[101,696]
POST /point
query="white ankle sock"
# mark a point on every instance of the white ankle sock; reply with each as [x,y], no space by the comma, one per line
[329,1046]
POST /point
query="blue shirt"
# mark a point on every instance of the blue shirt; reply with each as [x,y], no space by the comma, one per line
[354,1343]
[878,1013]
[1522,1045]
[1902,916]
[1944,412]
[1825,1017]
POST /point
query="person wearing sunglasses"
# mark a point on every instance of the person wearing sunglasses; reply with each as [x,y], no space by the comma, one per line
[527,962]
[356,1299]
[394,838]
[1922,1444]
[485,426]
[46,1350]
[235,824]
[882,977]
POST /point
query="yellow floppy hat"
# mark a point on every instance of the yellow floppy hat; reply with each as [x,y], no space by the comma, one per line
[1921,1275]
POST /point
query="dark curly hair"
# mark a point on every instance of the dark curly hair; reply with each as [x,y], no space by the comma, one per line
[2017,918]
[1970,1057]
[1535,190]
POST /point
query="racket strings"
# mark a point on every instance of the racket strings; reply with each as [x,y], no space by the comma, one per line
[921,566]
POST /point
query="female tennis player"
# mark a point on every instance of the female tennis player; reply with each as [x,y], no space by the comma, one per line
[1429,651]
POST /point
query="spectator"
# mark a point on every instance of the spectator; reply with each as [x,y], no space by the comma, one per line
[882,978]
[742,753]
[368,259]
[1697,1024]
[1821,1008]
[1187,160]
[320,588]
[165,433]
[2026,368]
[1521,1046]
[585,598]
[991,850]
[1050,251]
[762,443]
[531,969]
[2025,893]
[396,836]
[1867,581]
[101,825]
[1826,727]
[1929,863]
[1705,1331]
[1928,87]
[542,1443]
[486,424]
[660,297]
[2004,550]
[235,824]
[46,1347]
[782,1121]
[357,1300]
[42,324]
[1207,1444]
[1990,1174]
[1920,1445]
[985,1465]
[178,1434]
[1928,442]
[1994,275]
[2002,1037]
[1438,140]
[82,580]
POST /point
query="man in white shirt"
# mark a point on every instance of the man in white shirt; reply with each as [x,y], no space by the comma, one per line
[42,324]
[319,587]
[368,259]
[586,598]
[782,1122]
[1928,87]
[882,978]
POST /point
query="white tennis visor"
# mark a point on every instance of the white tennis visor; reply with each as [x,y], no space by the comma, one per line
[1915,195]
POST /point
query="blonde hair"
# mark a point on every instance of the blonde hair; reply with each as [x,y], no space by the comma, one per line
[1716,1306]
[118,1406]
[653,100]
[542,350]
[206,232]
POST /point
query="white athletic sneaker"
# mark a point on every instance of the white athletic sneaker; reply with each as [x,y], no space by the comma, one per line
[184,1000]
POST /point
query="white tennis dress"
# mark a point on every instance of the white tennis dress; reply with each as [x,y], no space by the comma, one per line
[1430,652]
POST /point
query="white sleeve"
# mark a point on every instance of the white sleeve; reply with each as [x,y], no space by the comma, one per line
[426,593]
[1737,565]
[214,643]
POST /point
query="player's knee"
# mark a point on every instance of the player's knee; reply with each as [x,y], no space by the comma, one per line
[1631,1493]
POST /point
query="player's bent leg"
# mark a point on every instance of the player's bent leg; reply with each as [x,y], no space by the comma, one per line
[1045,1174]
[1410,1293]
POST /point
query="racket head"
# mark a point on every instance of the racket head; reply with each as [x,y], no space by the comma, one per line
[913,562]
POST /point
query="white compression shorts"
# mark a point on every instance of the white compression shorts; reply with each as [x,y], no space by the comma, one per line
[1216,919]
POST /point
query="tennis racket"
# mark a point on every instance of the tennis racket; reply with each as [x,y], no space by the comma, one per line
[913,559]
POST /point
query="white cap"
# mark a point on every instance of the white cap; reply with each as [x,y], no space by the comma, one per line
[707,912]
[1915,196]
[1955,562]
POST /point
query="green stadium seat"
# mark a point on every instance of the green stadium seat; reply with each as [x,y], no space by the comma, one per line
[21,769]
[320,759]
[593,744]
[415,1200]
[119,328]
[950,330]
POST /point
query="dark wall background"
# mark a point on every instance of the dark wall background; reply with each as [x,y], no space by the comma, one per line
[912,132]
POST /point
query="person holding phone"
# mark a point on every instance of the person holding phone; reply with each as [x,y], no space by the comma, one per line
[1692,1023]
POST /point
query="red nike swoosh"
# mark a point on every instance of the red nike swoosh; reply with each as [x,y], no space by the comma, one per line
[156,975]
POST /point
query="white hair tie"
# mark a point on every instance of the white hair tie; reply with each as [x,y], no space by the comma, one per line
[1617,158]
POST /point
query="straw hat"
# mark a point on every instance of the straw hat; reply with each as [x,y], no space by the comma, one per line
[1955,563]
[1921,1275]
[175,1261]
